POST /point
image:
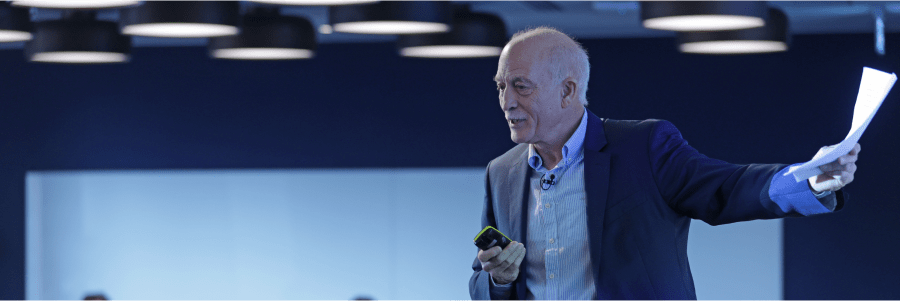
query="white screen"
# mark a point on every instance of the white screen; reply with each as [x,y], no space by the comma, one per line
[303,234]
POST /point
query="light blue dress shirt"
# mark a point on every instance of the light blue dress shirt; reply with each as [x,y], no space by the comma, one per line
[557,262]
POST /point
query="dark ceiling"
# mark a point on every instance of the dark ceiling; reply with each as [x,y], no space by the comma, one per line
[582,19]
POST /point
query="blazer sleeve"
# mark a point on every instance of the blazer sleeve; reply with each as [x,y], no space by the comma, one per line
[712,190]
[480,282]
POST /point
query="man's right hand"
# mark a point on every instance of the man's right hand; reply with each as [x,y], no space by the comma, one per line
[502,264]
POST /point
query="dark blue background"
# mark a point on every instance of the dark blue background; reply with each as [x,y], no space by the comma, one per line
[361,105]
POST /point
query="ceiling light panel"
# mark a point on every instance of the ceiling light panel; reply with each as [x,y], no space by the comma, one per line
[773,37]
[78,38]
[68,4]
[181,19]
[15,23]
[473,35]
[267,35]
[702,15]
[392,17]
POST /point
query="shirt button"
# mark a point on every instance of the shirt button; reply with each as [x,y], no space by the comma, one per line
[551,240]
[547,205]
[551,276]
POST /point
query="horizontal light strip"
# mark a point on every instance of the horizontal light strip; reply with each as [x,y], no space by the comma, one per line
[74,3]
[703,22]
[14,36]
[180,30]
[451,51]
[391,27]
[733,47]
[83,57]
[262,53]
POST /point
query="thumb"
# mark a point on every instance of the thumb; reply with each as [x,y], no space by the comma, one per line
[830,185]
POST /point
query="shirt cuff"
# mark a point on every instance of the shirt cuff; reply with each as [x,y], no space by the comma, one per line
[499,291]
[793,196]
[827,198]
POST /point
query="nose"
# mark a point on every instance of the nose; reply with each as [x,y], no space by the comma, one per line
[507,101]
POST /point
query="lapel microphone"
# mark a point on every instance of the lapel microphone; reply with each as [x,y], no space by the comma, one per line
[545,184]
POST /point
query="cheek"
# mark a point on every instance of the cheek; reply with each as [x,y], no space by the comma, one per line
[538,110]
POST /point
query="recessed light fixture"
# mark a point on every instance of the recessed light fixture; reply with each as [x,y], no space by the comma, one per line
[314,2]
[473,35]
[181,19]
[15,23]
[773,37]
[703,15]
[392,17]
[266,35]
[74,3]
[78,38]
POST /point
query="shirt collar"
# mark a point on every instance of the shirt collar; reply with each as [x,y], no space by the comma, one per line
[570,150]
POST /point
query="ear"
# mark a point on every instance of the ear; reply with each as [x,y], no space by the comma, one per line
[569,97]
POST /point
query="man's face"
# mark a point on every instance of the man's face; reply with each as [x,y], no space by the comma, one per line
[526,89]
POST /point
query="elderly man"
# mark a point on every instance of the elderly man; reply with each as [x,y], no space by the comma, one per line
[603,206]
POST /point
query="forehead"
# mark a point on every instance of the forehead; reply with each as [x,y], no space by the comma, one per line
[518,59]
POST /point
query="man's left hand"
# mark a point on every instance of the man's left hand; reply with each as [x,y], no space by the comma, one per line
[837,174]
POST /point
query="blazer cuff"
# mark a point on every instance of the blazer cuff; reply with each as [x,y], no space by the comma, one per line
[499,291]
[794,197]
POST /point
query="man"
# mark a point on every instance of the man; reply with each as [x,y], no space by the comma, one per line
[599,208]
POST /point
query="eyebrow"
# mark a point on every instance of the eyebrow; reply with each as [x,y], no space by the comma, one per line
[514,79]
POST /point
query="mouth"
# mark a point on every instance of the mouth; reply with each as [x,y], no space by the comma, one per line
[514,121]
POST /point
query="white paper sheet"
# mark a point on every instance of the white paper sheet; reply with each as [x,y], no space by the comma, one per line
[873,88]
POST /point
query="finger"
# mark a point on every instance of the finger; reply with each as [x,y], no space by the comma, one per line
[825,177]
[846,178]
[512,271]
[521,257]
[486,255]
[839,180]
[520,249]
[850,168]
[488,267]
[839,164]
[486,258]
[848,158]
[829,185]
[856,149]
[493,264]
[830,167]
[502,260]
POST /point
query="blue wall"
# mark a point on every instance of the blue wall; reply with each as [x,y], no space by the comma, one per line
[359,105]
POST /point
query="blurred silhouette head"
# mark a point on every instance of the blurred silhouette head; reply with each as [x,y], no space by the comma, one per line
[95,297]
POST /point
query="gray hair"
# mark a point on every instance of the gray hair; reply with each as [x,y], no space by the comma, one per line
[566,59]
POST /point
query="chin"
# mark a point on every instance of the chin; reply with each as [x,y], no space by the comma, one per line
[519,137]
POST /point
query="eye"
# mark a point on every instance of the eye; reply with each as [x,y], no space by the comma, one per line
[522,88]
[500,86]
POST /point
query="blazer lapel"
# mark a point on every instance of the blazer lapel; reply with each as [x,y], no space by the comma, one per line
[518,199]
[596,184]
[518,209]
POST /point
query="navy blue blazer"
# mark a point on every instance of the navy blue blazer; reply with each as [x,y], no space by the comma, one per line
[644,184]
